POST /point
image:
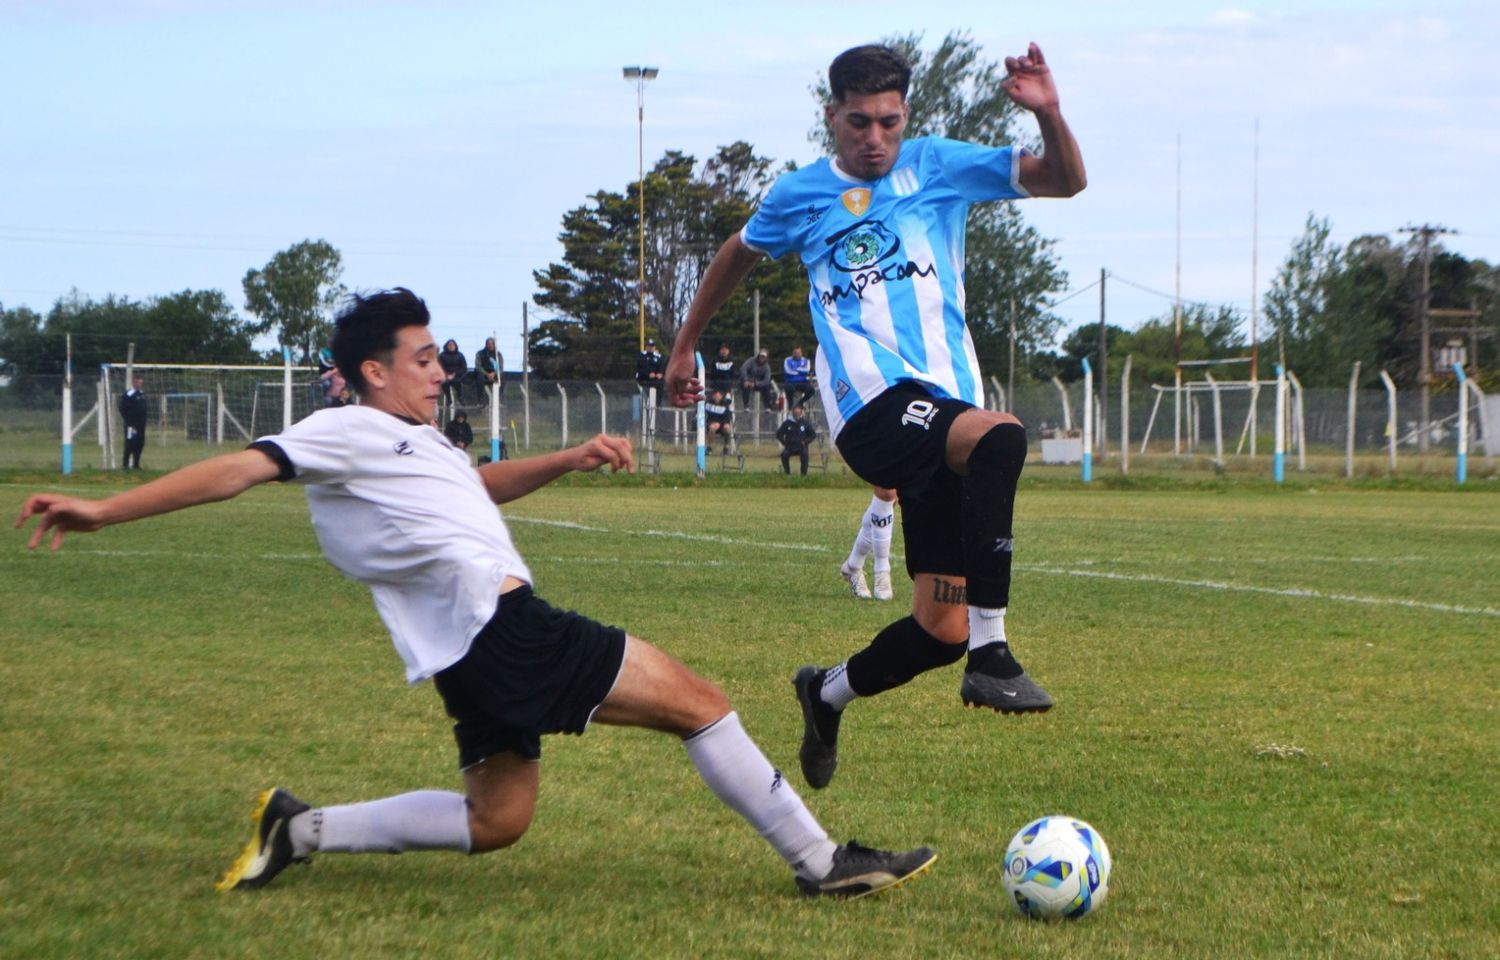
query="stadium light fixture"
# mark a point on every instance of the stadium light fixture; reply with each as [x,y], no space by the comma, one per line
[641,76]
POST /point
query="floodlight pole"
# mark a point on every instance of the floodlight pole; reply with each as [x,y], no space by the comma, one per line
[641,76]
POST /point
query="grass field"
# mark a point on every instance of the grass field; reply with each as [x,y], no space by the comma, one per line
[1281,707]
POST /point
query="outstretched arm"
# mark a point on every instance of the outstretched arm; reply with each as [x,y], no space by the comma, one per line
[508,480]
[728,269]
[1058,172]
[207,481]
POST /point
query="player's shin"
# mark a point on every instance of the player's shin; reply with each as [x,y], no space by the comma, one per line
[987,511]
[421,820]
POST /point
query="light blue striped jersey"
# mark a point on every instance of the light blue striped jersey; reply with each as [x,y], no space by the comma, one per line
[885,260]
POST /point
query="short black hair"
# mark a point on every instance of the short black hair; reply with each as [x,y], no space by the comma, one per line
[366,329]
[872,68]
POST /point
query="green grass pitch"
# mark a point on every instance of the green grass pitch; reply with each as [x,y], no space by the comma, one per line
[1281,708]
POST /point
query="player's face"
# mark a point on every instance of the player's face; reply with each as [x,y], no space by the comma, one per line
[410,384]
[867,130]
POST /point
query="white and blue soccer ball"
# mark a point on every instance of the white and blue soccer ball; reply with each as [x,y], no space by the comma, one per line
[1057,868]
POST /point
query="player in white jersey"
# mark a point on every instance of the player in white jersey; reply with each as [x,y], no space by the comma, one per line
[880,229]
[873,539]
[397,507]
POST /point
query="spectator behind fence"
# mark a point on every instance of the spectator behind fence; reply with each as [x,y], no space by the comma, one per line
[329,378]
[755,377]
[454,367]
[650,366]
[489,368]
[794,434]
[720,374]
[718,419]
[458,431]
[796,372]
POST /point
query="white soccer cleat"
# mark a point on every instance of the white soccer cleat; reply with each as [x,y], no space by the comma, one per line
[883,585]
[857,582]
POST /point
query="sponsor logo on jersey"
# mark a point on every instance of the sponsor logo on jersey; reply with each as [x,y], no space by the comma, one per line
[403,448]
[856,200]
[868,251]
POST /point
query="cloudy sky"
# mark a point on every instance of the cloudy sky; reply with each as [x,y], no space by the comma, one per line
[152,146]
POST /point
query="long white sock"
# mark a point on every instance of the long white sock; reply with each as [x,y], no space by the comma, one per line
[882,518]
[864,542]
[986,626]
[741,776]
[421,820]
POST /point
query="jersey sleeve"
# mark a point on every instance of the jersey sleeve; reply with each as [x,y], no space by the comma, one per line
[981,173]
[315,449]
[767,230]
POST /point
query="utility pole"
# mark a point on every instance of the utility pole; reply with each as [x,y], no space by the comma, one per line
[1426,231]
[1010,381]
[1103,371]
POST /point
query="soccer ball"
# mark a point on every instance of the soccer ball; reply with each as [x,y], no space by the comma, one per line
[1057,868]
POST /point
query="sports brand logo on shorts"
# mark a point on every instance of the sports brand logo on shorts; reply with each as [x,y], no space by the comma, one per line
[919,413]
[403,448]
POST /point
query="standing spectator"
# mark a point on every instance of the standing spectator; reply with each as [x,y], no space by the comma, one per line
[794,435]
[796,372]
[133,412]
[650,366]
[458,431]
[721,373]
[489,368]
[755,377]
[718,419]
[454,367]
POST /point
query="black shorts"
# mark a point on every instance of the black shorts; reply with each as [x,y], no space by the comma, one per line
[532,670]
[899,440]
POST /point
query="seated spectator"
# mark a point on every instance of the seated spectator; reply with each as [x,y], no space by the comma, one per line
[489,368]
[797,378]
[755,377]
[718,419]
[458,432]
[329,379]
[795,434]
[720,374]
[650,368]
[454,367]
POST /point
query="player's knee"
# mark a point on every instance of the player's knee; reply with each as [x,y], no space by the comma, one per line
[1001,449]
[704,703]
[491,829]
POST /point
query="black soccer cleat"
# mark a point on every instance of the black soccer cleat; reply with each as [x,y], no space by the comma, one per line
[860,871]
[270,849]
[820,729]
[994,679]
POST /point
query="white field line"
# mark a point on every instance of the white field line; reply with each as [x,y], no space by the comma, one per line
[1272,591]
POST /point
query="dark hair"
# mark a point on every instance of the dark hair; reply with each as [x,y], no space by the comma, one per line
[366,329]
[871,68]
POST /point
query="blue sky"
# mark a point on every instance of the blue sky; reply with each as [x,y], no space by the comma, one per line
[152,146]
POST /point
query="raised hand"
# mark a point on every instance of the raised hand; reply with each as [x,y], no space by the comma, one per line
[683,389]
[1028,81]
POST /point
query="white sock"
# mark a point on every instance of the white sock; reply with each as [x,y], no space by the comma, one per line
[863,543]
[882,518]
[836,691]
[986,626]
[741,776]
[421,820]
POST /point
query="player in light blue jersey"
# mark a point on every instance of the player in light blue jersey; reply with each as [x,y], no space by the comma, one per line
[880,228]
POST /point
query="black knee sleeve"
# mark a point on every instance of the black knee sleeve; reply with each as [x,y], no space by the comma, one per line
[896,655]
[989,504]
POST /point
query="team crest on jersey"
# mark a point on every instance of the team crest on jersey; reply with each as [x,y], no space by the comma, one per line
[856,200]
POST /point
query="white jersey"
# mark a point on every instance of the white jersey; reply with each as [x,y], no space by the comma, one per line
[399,508]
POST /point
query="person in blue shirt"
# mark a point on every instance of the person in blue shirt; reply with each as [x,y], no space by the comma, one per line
[879,228]
[796,378]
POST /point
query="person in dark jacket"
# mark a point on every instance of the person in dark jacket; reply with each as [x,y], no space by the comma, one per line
[454,365]
[133,412]
[650,366]
[489,368]
[794,434]
[458,431]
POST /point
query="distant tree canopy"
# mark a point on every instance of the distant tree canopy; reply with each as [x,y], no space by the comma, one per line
[1208,333]
[955,93]
[294,295]
[193,326]
[1331,305]
[590,300]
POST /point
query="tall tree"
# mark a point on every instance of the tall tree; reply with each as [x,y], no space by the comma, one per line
[590,299]
[955,92]
[294,295]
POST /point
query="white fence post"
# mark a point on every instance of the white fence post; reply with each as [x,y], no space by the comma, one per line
[1392,429]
